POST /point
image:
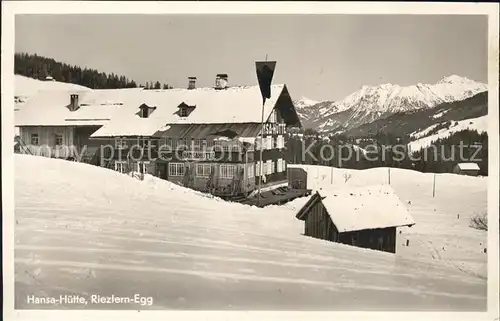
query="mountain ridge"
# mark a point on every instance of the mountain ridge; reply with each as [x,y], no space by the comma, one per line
[371,103]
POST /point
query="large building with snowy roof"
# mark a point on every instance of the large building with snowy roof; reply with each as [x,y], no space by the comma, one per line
[207,139]
[364,216]
[58,123]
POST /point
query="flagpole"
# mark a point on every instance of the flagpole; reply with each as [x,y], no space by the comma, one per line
[265,72]
[261,148]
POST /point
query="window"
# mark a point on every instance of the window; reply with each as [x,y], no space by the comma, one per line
[182,143]
[354,239]
[170,143]
[121,166]
[142,167]
[176,169]
[274,116]
[203,170]
[269,167]
[34,139]
[197,144]
[269,143]
[58,139]
[250,171]
[280,142]
[145,111]
[144,142]
[183,112]
[281,129]
[279,164]
[257,143]
[120,143]
[227,171]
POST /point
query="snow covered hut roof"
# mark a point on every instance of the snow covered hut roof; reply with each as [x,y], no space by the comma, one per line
[361,208]
[468,166]
[234,105]
[49,107]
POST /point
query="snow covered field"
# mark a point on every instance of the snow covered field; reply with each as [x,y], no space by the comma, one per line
[442,231]
[86,230]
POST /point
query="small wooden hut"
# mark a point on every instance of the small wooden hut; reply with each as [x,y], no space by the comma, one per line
[365,217]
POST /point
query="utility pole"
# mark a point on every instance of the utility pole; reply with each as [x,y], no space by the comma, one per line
[389,174]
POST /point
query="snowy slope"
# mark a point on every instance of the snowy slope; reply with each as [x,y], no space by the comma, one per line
[424,140]
[25,87]
[87,230]
[374,102]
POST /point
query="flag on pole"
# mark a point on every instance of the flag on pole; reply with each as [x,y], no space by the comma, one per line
[265,72]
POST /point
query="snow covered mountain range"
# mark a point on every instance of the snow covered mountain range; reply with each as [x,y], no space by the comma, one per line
[372,103]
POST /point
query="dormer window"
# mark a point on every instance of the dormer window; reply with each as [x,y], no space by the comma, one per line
[185,109]
[145,111]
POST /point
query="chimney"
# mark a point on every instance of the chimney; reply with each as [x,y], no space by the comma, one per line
[221,81]
[73,106]
[192,83]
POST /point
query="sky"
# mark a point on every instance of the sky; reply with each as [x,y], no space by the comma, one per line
[321,57]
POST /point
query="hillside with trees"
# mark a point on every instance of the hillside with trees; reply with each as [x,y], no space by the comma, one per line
[387,150]
[39,67]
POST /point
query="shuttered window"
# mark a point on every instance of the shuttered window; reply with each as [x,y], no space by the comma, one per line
[176,169]
[203,170]
[227,171]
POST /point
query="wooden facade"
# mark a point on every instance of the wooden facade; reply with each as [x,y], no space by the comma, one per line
[221,167]
[297,178]
[67,142]
[211,157]
[318,224]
